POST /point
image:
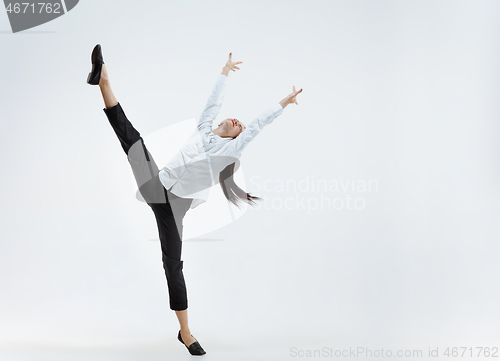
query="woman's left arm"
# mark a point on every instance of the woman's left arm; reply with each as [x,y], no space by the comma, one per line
[292,98]
[237,145]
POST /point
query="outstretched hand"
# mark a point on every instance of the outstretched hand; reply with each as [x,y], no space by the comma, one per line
[230,65]
[292,98]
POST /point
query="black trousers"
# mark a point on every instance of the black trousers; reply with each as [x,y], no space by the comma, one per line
[168,209]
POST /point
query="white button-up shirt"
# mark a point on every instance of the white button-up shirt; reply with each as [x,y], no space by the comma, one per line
[195,167]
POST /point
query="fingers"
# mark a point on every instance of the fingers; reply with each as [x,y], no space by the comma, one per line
[231,63]
[294,97]
[231,57]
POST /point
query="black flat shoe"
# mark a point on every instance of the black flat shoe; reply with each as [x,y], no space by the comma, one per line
[195,348]
[97,61]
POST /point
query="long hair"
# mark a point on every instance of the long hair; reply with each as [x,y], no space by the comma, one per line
[233,193]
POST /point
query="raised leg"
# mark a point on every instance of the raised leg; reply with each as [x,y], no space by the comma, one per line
[124,130]
[142,163]
[105,85]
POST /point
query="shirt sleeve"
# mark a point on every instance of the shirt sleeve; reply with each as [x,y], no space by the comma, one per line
[237,145]
[214,103]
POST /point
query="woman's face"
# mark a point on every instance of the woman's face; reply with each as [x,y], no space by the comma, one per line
[232,127]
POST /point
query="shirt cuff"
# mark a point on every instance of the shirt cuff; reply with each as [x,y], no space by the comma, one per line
[277,109]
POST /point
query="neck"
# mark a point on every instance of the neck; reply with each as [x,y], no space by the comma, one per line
[220,132]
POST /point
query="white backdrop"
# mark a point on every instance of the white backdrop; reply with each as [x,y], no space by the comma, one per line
[398,118]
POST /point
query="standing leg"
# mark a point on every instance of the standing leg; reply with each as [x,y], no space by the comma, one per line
[180,207]
[182,316]
[171,248]
[169,218]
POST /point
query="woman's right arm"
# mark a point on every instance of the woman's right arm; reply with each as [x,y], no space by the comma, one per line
[215,99]
[214,103]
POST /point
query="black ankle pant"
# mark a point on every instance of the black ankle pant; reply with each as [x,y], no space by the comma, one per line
[169,209]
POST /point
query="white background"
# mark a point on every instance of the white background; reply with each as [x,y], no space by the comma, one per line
[401,92]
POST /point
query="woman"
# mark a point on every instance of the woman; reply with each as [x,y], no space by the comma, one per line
[185,181]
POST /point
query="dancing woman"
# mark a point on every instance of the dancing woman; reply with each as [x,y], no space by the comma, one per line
[209,156]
